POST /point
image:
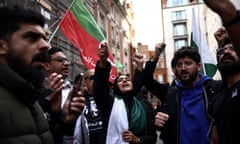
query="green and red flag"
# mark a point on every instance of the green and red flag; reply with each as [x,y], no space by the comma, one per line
[80,28]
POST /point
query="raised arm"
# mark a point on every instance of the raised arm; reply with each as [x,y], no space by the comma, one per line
[101,89]
[230,18]
[220,35]
[138,75]
[158,89]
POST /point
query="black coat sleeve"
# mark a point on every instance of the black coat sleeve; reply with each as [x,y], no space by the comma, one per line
[102,95]
[150,136]
[156,88]
[137,81]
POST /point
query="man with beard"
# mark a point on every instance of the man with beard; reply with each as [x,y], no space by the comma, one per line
[227,106]
[183,118]
[49,98]
[21,38]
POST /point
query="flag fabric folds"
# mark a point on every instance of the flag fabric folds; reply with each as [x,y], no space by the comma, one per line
[199,41]
[81,29]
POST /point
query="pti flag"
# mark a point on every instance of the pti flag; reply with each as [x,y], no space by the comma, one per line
[199,42]
[80,28]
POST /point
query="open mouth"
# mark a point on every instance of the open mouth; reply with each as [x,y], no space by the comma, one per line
[184,74]
[227,59]
[125,85]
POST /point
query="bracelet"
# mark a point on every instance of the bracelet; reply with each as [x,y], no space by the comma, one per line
[233,21]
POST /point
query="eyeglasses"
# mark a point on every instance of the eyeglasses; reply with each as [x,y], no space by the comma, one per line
[60,59]
[220,51]
[122,78]
[90,77]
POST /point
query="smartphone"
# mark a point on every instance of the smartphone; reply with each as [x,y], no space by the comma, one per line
[77,86]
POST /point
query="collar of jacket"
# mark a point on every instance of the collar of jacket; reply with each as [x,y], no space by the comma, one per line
[15,84]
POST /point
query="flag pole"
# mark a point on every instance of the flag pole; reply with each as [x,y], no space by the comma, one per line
[57,28]
[53,34]
[52,25]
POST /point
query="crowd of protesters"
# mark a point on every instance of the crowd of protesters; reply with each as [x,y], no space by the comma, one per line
[39,105]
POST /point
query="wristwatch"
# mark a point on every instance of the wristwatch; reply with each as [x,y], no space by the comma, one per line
[233,21]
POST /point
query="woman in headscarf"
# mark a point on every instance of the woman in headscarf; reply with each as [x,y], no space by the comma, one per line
[126,119]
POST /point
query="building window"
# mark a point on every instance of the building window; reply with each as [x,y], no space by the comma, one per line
[126,69]
[102,23]
[173,3]
[162,55]
[118,18]
[178,15]
[112,11]
[117,38]
[160,78]
[179,29]
[162,65]
[180,43]
[113,36]
[144,56]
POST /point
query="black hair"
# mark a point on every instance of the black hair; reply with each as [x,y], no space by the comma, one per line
[54,50]
[42,56]
[13,17]
[187,52]
[173,61]
[226,41]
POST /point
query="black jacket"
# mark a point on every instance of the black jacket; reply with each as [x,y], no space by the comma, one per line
[104,101]
[156,88]
[22,120]
[170,131]
[170,97]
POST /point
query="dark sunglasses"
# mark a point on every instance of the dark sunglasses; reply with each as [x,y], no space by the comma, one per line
[60,59]
[90,77]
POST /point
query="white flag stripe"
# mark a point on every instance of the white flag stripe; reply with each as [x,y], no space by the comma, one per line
[201,42]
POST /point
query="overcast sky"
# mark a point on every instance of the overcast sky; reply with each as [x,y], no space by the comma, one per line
[148,22]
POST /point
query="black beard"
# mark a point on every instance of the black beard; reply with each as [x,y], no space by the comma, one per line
[34,75]
[192,78]
[227,69]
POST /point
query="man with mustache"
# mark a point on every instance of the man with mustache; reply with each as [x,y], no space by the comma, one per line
[57,90]
[22,38]
[183,118]
[58,63]
[226,107]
